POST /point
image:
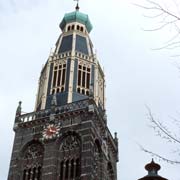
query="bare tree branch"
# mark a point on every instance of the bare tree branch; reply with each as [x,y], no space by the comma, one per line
[163,129]
[160,157]
[159,7]
[173,38]
[162,26]
[177,7]
[154,16]
[167,19]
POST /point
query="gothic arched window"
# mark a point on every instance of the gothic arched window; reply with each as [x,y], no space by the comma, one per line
[97,160]
[84,77]
[110,171]
[32,162]
[69,158]
[59,77]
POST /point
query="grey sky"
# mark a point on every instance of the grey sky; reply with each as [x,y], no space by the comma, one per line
[135,75]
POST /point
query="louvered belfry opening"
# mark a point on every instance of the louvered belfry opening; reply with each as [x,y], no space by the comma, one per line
[69,158]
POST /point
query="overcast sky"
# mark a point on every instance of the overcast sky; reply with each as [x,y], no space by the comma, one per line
[136,75]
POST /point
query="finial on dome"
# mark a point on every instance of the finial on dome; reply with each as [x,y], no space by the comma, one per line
[77,6]
[152,168]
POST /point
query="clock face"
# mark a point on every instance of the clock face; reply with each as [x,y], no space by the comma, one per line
[51,131]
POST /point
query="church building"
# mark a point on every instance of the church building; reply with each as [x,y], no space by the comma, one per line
[67,137]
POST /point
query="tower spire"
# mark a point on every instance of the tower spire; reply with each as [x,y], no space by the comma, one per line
[77,6]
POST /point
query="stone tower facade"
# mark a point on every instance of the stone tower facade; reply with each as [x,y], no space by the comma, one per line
[66,137]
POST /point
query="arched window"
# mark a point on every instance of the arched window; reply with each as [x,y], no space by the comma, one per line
[69,28]
[77,173]
[67,169]
[82,29]
[97,160]
[78,27]
[32,161]
[87,93]
[62,170]
[84,77]
[110,171]
[53,91]
[59,77]
[78,90]
[70,166]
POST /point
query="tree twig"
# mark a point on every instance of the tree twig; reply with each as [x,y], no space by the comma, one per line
[161,128]
[159,156]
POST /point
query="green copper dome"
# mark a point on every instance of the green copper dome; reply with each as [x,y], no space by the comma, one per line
[76,16]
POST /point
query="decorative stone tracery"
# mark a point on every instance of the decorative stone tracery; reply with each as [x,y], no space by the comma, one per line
[70,143]
[69,158]
[32,160]
[97,160]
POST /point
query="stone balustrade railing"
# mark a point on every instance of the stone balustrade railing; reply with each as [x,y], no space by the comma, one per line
[56,110]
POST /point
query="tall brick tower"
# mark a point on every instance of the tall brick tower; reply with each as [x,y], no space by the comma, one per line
[66,137]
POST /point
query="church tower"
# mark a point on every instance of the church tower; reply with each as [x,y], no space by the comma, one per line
[66,137]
